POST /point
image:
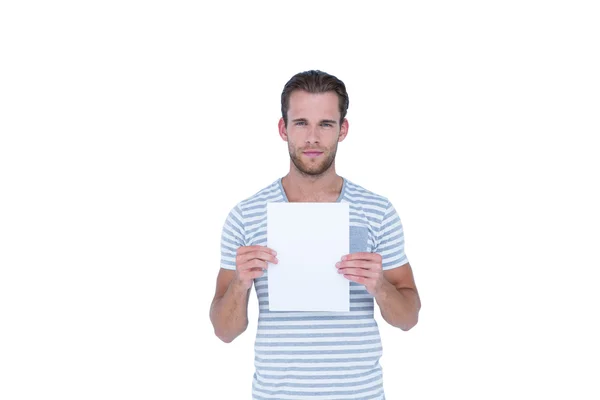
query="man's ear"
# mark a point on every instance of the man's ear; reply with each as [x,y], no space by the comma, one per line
[343,130]
[282,130]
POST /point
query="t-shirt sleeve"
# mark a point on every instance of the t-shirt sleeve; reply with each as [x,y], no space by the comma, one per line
[390,240]
[232,237]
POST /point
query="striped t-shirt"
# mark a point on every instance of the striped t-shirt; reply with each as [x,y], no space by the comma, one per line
[318,355]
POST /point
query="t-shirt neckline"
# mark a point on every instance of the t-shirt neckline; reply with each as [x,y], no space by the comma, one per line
[339,199]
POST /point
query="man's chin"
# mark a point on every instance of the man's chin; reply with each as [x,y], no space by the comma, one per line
[313,171]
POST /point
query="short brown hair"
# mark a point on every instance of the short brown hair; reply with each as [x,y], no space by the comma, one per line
[314,81]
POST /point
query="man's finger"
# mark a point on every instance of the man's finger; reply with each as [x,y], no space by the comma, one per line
[362,256]
[254,273]
[257,274]
[249,249]
[358,272]
[357,264]
[254,264]
[261,255]
[357,279]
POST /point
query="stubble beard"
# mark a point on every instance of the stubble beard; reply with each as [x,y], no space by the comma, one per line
[312,168]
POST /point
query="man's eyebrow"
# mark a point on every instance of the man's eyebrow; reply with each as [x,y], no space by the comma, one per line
[323,121]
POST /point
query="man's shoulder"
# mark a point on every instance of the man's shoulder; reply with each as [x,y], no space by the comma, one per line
[269,192]
[358,194]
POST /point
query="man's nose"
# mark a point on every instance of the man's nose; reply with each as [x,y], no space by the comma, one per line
[313,135]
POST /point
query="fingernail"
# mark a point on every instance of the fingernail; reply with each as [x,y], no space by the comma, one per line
[337,264]
[344,258]
[274,252]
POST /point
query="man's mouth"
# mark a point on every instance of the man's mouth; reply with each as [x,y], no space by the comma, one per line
[313,153]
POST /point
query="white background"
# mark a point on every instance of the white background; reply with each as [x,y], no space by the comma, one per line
[130,129]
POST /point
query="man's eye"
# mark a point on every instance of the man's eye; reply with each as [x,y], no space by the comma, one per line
[299,123]
[326,124]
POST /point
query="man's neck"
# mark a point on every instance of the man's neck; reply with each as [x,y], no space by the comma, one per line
[302,188]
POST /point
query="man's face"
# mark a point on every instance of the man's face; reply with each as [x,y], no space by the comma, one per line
[313,130]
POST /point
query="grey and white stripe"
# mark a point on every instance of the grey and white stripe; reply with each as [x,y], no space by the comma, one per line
[318,355]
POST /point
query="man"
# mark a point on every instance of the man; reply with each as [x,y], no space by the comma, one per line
[316,355]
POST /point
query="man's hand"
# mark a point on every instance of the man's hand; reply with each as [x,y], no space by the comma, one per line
[250,263]
[363,268]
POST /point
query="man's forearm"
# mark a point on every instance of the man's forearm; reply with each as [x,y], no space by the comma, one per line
[229,314]
[399,307]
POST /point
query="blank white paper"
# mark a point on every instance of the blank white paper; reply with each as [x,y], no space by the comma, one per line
[309,238]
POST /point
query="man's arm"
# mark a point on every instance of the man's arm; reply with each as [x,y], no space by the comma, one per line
[398,298]
[393,289]
[229,308]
